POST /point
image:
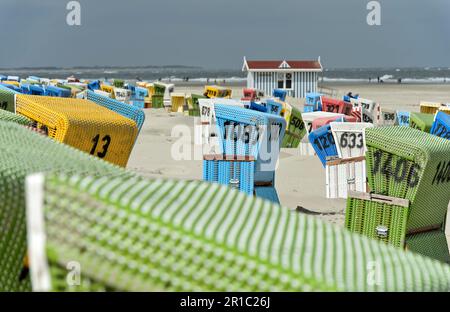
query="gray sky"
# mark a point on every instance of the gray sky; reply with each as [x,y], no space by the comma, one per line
[218,33]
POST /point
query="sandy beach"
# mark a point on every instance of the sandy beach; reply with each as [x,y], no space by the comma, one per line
[300,180]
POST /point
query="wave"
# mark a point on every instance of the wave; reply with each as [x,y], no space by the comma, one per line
[204,79]
[390,79]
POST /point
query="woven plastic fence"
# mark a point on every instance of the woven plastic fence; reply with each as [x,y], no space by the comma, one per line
[82,124]
[135,234]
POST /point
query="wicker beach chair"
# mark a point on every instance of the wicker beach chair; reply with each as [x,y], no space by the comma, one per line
[193,104]
[209,132]
[178,102]
[138,95]
[323,121]
[157,101]
[313,102]
[57,91]
[404,164]
[295,127]
[7,99]
[323,143]
[370,110]
[258,106]
[217,92]
[23,152]
[159,89]
[280,94]
[311,116]
[251,137]
[243,132]
[118,83]
[306,148]
[108,89]
[28,88]
[123,109]
[132,234]
[429,107]
[421,121]
[441,125]
[82,124]
[251,95]
[336,106]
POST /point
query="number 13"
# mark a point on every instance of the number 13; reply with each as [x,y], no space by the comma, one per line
[106,140]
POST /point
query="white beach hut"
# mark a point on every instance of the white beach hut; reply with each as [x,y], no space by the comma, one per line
[296,77]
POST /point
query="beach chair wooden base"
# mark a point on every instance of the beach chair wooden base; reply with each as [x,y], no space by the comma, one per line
[345,175]
[385,218]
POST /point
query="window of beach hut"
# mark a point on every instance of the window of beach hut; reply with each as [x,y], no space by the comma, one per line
[288,83]
[280,81]
[285,81]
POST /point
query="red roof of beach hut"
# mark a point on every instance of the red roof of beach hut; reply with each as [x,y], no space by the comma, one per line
[282,64]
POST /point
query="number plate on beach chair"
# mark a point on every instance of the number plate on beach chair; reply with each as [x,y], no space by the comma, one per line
[441,125]
[274,107]
[388,117]
[349,138]
[403,118]
[323,142]
[336,106]
[296,128]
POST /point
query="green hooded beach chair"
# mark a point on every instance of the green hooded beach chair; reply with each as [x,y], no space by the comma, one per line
[411,169]
[120,234]
[421,121]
